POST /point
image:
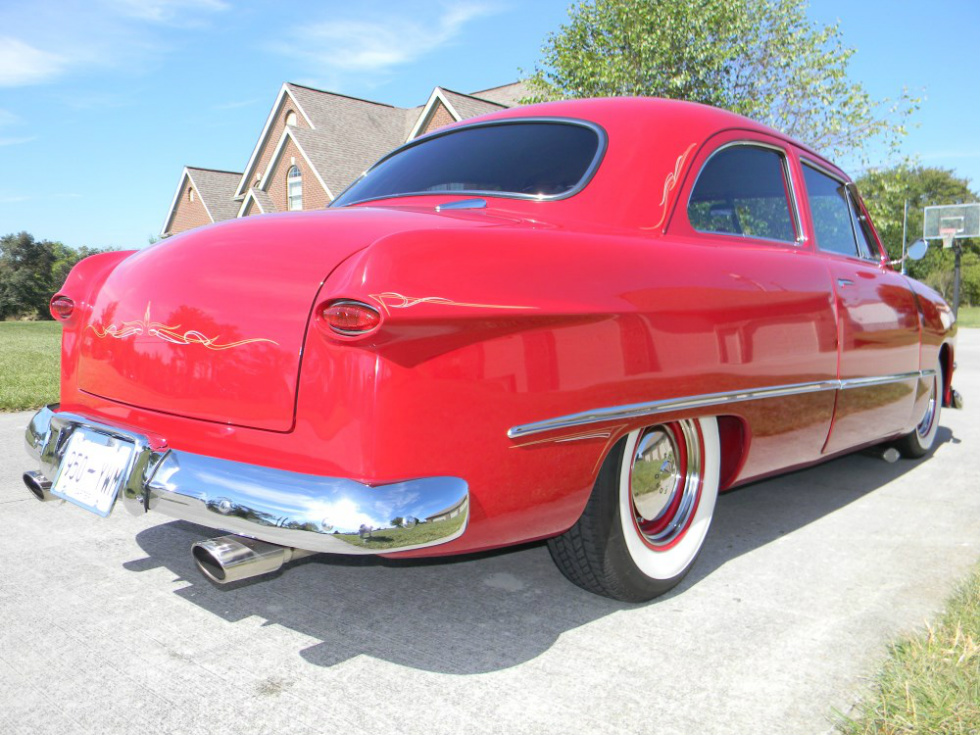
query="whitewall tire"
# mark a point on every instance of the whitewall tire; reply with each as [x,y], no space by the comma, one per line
[919,441]
[649,512]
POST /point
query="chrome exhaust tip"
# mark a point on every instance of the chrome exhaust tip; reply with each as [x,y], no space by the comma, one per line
[229,559]
[38,484]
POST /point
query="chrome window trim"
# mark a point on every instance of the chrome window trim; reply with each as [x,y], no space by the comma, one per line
[801,238]
[794,207]
[854,200]
[805,161]
[601,146]
[852,211]
[653,408]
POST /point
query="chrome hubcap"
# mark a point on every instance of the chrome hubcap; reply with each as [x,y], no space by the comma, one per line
[926,423]
[665,481]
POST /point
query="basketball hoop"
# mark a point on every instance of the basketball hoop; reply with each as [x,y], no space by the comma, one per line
[946,222]
[948,234]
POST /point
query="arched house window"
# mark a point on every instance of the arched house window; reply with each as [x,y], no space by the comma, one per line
[294,189]
[291,118]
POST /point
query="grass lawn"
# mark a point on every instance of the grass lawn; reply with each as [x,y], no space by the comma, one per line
[969,316]
[30,362]
[931,681]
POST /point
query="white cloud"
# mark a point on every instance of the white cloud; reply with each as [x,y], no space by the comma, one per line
[17,141]
[166,11]
[375,46]
[22,64]
[42,42]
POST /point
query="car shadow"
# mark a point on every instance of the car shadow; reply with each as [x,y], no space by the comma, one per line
[490,611]
[761,512]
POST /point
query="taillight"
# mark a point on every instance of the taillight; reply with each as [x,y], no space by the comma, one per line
[62,306]
[350,318]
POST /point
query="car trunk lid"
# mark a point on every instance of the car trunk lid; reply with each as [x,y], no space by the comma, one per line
[211,324]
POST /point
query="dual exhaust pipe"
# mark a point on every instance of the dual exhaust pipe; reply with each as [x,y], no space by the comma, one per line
[233,558]
[38,484]
[223,560]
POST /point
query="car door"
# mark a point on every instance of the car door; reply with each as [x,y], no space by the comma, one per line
[878,320]
[773,316]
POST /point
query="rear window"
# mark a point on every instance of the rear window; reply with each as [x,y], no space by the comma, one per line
[527,159]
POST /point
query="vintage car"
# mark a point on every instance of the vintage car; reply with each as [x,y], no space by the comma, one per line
[576,321]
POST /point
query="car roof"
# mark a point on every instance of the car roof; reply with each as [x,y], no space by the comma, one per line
[698,119]
[650,146]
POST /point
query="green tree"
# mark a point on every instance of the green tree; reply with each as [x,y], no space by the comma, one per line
[760,58]
[31,271]
[885,193]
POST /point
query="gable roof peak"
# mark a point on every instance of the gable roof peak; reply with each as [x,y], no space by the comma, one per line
[214,188]
[213,170]
[509,95]
[473,97]
[338,94]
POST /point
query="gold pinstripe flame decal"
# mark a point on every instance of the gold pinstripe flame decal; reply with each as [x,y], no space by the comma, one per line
[392,300]
[670,182]
[169,333]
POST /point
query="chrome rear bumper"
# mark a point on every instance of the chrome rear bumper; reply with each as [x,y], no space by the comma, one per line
[311,512]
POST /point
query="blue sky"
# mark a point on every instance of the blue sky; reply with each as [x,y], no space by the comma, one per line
[102,102]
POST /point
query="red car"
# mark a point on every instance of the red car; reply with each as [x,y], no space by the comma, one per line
[577,321]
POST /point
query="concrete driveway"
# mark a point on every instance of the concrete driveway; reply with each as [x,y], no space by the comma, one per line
[106,627]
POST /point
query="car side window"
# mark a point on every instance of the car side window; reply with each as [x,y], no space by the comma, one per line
[867,245]
[743,190]
[836,216]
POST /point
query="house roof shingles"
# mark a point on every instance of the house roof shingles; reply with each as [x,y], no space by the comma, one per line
[217,191]
[469,106]
[263,200]
[348,136]
[508,95]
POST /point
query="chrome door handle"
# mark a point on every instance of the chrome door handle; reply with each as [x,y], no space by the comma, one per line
[844,282]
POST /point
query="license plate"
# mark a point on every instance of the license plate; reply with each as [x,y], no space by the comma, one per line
[92,470]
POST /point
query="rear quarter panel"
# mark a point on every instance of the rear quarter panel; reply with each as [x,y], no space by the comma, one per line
[473,345]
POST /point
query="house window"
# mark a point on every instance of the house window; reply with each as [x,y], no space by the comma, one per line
[190,194]
[294,189]
[291,118]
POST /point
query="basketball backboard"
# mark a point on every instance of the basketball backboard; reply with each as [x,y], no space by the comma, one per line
[951,221]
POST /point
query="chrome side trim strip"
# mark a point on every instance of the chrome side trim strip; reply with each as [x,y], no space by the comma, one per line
[884,379]
[653,408]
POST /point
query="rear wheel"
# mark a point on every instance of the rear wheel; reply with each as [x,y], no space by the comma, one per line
[919,441]
[648,514]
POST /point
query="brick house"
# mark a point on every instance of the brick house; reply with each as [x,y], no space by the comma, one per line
[313,145]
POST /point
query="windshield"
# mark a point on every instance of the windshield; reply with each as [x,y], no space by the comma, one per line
[541,159]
